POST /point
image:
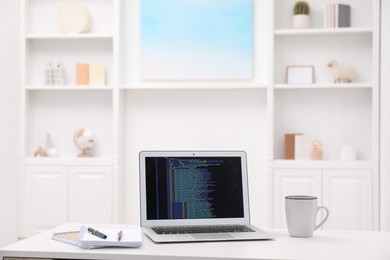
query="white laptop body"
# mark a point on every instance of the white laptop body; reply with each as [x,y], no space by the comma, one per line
[195,189]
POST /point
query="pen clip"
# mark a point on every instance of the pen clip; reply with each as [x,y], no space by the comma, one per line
[120,234]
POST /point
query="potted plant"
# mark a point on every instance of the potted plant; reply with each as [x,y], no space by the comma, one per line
[301,18]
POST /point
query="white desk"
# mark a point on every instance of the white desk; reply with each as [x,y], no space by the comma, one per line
[327,245]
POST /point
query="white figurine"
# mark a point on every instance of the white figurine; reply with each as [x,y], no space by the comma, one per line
[49,74]
[342,72]
[59,74]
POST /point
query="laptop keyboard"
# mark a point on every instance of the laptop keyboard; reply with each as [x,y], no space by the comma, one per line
[166,230]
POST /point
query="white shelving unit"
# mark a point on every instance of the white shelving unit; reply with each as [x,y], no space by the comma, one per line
[129,114]
[67,183]
[334,114]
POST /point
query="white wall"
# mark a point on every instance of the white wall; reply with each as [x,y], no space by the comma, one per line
[198,119]
[385,117]
[9,121]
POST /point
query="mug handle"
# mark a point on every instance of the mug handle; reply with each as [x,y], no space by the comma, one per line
[326,217]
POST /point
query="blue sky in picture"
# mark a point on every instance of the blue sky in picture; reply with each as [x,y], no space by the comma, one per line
[188,38]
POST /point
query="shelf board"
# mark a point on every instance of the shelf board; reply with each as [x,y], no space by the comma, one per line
[93,161]
[323,164]
[323,31]
[69,87]
[35,36]
[325,86]
[194,86]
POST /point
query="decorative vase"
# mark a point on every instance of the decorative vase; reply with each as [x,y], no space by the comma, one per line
[50,150]
[301,21]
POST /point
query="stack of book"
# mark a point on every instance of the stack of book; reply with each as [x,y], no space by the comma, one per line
[337,15]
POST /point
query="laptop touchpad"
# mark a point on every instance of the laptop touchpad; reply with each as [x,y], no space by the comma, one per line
[212,236]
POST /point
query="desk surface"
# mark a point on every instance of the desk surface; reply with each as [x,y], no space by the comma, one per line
[324,245]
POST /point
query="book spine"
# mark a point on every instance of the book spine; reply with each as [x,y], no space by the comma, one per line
[344,15]
[326,16]
[333,16]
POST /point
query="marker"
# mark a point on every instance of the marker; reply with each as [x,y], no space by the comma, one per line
[120,234]
[97,233]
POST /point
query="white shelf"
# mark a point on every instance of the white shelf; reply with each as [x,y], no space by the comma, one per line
[34,36]
[323,164]
[325,86]
[322,31]
[93,161]
[69,87]
[193,86]
[69,52]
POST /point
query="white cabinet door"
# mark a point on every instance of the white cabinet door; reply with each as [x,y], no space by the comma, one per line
[293,182]
[348,195]
[45,198]
[90,194]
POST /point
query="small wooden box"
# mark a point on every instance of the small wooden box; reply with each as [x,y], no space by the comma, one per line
[97,74]
[82,74]
[289,146]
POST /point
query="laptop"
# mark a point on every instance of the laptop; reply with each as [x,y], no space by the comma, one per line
[195,196]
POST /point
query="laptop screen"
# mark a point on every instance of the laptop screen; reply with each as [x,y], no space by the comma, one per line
[196,187]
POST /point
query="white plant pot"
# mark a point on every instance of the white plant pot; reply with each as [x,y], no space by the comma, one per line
[301,21]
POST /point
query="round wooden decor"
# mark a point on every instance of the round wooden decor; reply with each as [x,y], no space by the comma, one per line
[73,17]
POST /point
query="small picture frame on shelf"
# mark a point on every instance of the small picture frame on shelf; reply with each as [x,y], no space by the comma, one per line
[300,74]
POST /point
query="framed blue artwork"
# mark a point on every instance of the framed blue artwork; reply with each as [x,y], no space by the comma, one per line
[196,39]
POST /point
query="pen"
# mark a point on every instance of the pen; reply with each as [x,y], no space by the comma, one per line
[97,233]
[120,235]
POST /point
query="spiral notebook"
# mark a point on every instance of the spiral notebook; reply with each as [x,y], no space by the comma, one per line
[70,237]
[130,237]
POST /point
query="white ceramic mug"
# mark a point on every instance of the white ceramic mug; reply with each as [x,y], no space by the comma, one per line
[301,215]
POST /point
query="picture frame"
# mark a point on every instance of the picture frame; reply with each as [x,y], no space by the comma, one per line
[300,74]
[197,45]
